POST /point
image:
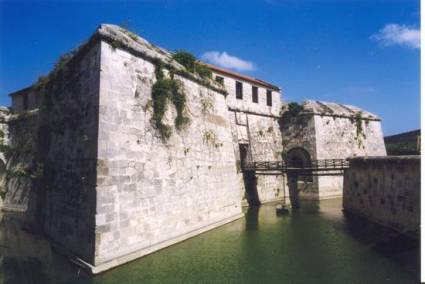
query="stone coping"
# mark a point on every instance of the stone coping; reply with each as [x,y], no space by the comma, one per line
[411,159]
[385,158]
[139,47]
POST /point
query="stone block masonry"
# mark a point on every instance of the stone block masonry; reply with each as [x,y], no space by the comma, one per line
[150,192]
[385,190]
[330,131]
[107,185]
[111,188]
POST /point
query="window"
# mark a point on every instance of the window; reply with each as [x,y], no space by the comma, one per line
[239,90]
[255,94]
[219,80]
[269,98]
[25,102]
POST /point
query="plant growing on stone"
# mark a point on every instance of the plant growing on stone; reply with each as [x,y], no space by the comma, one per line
[210,138]
[206,105]
[292,109]
[260,133]
[132,35]
[163,90]
[360,134]
[203,70]
[188,60]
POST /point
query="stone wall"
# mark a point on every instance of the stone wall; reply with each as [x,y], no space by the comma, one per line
[4,142]
[300,132]
[337,138]
[266,146]
[331,131]
[19,160]
[64,198]
[152,193]
[30,95]
[385,190]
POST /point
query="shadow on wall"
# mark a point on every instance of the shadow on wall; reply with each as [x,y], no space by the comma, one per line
[249,178]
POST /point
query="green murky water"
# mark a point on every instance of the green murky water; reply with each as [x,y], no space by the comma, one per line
[316,244]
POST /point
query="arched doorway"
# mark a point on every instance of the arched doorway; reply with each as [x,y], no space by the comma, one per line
[298,181]
[300,158]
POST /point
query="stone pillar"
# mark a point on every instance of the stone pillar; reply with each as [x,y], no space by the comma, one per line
[293,189]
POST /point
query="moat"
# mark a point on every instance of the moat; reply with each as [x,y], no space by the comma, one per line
[316,244]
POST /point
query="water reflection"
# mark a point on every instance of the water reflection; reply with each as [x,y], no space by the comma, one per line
[251,215]
[313,244]
[28,258]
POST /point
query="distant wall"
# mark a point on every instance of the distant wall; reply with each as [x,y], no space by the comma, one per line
[246,104]
[24,100]
[300,132]
[266,145]
[337,138]
[262,134]
[328,136]
[385,190]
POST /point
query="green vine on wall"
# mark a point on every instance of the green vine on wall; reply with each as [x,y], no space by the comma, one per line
[189,61]
[163,90]
[210,138]
[357,119]
[166,89]
[291,109]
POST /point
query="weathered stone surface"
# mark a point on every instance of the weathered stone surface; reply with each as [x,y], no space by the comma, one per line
[18,155]
[385,190]
[64,200]
[158,190]
[112,189]
[331,131]
[4,141]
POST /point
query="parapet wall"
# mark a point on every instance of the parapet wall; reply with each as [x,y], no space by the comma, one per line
[385,190]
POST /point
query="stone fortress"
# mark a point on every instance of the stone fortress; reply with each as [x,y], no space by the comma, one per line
[122,150]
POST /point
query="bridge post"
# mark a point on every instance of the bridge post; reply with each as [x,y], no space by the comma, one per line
[293,189]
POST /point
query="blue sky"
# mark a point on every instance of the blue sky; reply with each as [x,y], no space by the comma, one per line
[363,53]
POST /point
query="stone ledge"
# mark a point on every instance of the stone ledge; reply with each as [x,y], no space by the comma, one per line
[385,159]
[95,269]
[407,157]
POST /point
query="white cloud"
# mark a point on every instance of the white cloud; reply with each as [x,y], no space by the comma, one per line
[393,34]
[226,60]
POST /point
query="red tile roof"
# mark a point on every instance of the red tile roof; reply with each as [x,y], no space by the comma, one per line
[241,77]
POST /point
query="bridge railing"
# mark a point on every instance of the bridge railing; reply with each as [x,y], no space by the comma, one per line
[285,166]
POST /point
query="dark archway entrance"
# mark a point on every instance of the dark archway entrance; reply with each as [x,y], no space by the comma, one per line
[297,158]
[249,178]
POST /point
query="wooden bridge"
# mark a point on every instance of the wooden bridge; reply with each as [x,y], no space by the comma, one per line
[326,167]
